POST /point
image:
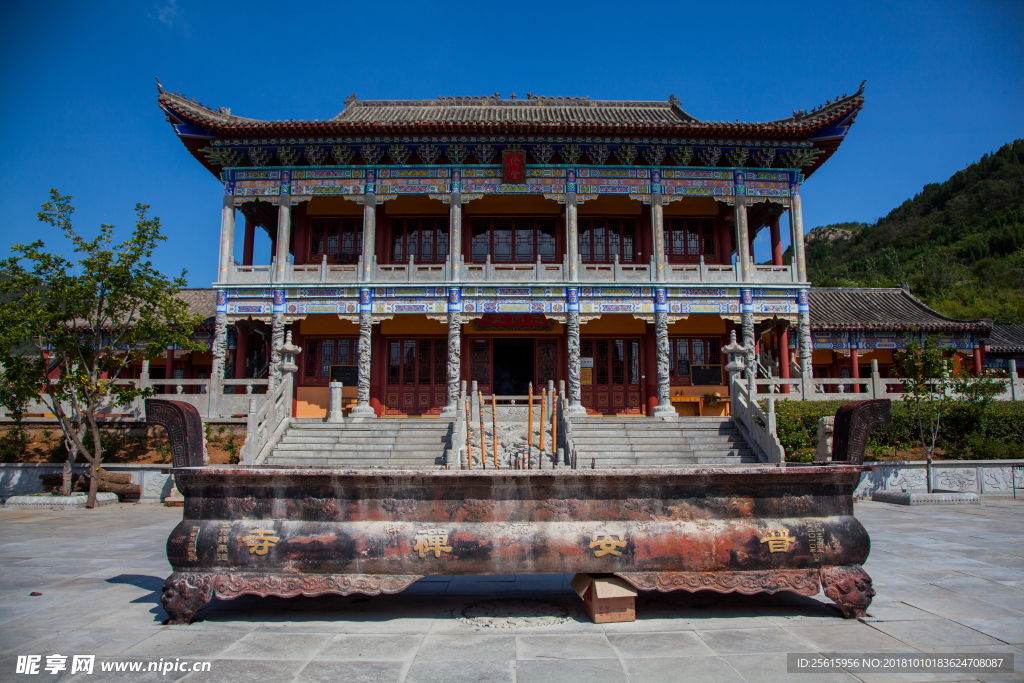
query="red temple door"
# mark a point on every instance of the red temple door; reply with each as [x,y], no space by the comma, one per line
[417,376]
[614,379]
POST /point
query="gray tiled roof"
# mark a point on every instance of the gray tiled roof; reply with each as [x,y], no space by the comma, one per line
[200,301]
[535,111]
[855,308]
[535,114]
[1006,339]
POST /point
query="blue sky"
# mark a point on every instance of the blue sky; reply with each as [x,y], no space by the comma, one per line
[945,86]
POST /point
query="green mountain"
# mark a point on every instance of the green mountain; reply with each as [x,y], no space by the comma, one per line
[959,245]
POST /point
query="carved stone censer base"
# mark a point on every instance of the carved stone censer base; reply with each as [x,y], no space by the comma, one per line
[289,532]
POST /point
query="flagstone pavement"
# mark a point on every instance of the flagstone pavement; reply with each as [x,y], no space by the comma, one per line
[949,579]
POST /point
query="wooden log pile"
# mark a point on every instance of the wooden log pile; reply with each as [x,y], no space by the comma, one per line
[110,482]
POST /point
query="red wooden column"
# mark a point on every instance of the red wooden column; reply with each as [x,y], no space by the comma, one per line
[784,336]
[250,238]
[855,368]
[784,358]
[776,243]
[241,342]
[727,243]
[650,366]
[169,372]
[977,360]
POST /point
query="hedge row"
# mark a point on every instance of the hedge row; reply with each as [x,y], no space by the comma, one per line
[963,434]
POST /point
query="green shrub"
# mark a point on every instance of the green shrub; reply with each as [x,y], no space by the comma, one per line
[959,434]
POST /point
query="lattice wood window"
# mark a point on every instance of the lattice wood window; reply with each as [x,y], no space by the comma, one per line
[513,240]
[417,362]
[480,361]
[340,239]
[547,363]
[616,361]
[685,352]
[601,239]
[687,239]
[425,239]
[320,353]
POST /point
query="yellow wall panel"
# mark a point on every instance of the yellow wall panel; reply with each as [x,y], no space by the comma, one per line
[328,323]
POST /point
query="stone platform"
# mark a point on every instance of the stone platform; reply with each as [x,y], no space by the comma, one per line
[307,532]
[921,498]
[75,501]
[100,574]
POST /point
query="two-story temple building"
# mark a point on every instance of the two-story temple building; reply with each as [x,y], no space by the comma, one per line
[507,241]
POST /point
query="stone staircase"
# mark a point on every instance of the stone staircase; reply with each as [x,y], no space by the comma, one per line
[626,441]
[382,442]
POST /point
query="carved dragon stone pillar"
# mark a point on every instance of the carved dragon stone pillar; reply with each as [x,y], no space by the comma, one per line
[572,319]
[276,341]
[220,336]
[454,351]
[664,408]
[804,323]
[362,407]
[747,313]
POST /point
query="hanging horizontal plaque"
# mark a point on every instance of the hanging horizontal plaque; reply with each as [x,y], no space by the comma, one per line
[512,322]
[513,167]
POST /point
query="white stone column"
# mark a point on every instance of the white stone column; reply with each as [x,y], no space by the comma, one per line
[742,238]
[455,232]
[658,235]
[369,228]
[796,231]
[283,239]
[336,414]
[227,239]
[572,237]
[362,407]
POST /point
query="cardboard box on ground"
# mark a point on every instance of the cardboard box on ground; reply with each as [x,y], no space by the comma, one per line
[606,598]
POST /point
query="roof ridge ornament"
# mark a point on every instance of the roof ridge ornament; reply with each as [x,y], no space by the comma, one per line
[350,100]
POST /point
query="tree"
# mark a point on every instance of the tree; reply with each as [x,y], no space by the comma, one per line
[68,328]
[928,376]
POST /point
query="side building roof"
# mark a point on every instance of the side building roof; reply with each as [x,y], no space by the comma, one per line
[200,302]
[856,308]
[1006,339]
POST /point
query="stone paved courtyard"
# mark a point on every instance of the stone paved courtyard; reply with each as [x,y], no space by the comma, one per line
[949,579]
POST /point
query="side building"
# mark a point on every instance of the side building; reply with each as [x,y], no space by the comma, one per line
[419,244]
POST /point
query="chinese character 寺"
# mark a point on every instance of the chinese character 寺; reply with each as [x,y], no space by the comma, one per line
[261,542]
[432,540]
[607,543]
[778,540]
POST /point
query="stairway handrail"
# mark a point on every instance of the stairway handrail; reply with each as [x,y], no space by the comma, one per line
[268,422]
[757,426]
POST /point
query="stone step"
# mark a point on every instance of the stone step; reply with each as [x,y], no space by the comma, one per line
[345,448]
[356,464]
[632,429]
[351,434]
[654,455]
[430,440]
[374,424]
[587,437]
[657,447]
